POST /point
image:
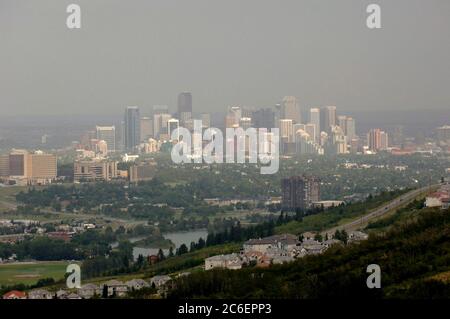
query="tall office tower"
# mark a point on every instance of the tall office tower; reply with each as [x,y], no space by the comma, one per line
[160,123]
[4,165]
[206,120]
[314,118]
[245,122]
[311,130]
[264,118]
[42,168]
[18,160]
[184,103]
[290,109]
[172,125]
[300,192]
[327,118]
[342,123]
[146,128]
[350,129]
[132,128]
[107,134]
[286,130]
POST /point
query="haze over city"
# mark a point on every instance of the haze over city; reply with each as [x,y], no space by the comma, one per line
[227,53]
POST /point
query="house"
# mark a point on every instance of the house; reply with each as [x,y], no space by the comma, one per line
[159,281]
[285,241]
[116,288]
[314,249]
[230,261]
[40,294]
[89,290]
[309,235]
[355,236]
[331,242]
[15,294]
[61,294]
[437,199]
[152,259]
[137,284]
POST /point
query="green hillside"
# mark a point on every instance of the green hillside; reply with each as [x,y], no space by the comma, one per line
[414,257]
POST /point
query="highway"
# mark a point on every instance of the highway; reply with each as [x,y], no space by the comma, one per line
[382,210]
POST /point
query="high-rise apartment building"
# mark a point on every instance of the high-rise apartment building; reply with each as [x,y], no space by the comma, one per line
[299,192]
[377,140]
[107,134]
[132,128]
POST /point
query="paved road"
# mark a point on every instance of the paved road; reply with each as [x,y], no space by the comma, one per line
[401,200]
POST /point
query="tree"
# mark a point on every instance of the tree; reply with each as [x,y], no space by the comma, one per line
[161,255]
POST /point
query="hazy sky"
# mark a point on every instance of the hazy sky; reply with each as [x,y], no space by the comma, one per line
[226,52]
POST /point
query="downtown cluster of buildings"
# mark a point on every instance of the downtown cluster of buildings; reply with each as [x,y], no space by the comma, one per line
[21,167]
[321,131]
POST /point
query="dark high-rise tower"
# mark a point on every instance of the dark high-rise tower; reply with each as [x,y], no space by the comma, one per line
[184,103]
[132,133]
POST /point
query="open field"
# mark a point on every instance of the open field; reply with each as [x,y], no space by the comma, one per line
[8,197]
[30,273]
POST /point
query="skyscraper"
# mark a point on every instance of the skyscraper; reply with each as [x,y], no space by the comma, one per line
[350,129]
[286,130]
[327,118]
[377,140]
[300,192]
[184,103]
[264,118]
[290,109]
[107,134]
[132,128]
[314,118]
[146,128]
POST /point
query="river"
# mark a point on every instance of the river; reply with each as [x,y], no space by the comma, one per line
[178,238]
